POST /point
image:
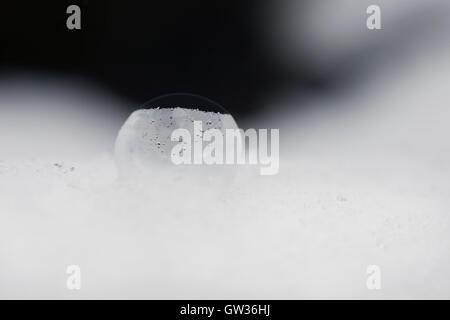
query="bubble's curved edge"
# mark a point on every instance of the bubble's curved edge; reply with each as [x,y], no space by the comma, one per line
[216,104]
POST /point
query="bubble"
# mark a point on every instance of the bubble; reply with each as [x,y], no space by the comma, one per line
[144,144]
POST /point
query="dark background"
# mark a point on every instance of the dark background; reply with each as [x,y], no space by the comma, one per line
[143,49]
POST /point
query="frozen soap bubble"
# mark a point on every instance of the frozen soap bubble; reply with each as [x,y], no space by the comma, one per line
[144,145]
